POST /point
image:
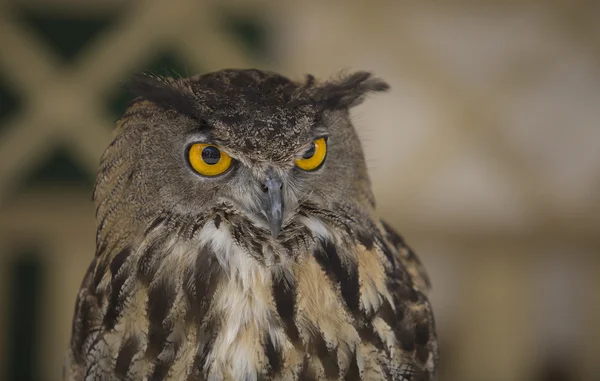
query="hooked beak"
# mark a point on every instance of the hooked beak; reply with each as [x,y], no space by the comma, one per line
[273,206]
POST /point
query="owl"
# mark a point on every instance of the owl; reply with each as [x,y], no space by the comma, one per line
[237,239]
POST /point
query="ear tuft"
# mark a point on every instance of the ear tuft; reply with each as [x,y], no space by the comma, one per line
[168,92]
[350,90]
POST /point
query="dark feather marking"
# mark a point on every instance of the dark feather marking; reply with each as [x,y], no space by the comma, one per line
[257,250]
[398,241]
[368,335]
[388,254]
[422,333]
[347,278]
[197,225]
[414,295]
[119,260]
[275,360]
[201,283]
[195,376]
[353,372]
[411,258]
[183,226]
[100,249]
[206,338]
[80,328]
[395,238]
[81,323]
[87,280]
[306,372]
[166,358]
[406,336]
[128,349]
[112,311]
[116,300]
[243,238]
[157,221]
[408,371]
[284,296]
[91,367]
[386,312]
[237,234]
[147,266]
[402,291]
[289,244]
[160,371]
[385,369]
[422,339]
[377,239]
[100,271]
[328,357]
[409,335]
[102,223]
[422,354]
[217,221]
[365,239]
[100,243]
[160,300]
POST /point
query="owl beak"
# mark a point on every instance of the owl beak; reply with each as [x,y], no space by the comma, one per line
[274,204]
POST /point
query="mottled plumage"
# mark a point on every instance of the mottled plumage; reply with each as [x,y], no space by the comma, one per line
[191,282]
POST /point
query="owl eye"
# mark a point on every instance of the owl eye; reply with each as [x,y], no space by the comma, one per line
[314,157]
[208,160]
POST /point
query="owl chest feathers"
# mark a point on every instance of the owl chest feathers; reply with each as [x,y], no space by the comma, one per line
[207,308]
[271,313]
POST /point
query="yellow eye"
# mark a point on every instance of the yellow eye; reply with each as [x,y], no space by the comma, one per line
[314,157]
[208,160]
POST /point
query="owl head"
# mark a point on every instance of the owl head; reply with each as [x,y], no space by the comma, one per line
[255,143]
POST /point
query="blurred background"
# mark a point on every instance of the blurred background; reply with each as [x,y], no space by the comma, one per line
[485,155]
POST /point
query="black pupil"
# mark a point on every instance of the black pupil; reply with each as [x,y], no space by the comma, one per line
[211,155]
[310,153]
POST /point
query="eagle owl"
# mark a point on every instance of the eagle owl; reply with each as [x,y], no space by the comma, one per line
[237,239]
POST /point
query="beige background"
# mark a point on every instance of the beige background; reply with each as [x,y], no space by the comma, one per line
[485,155]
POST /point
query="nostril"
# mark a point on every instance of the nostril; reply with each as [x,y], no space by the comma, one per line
[272,184]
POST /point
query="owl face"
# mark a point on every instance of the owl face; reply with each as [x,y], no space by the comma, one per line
[255,141]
